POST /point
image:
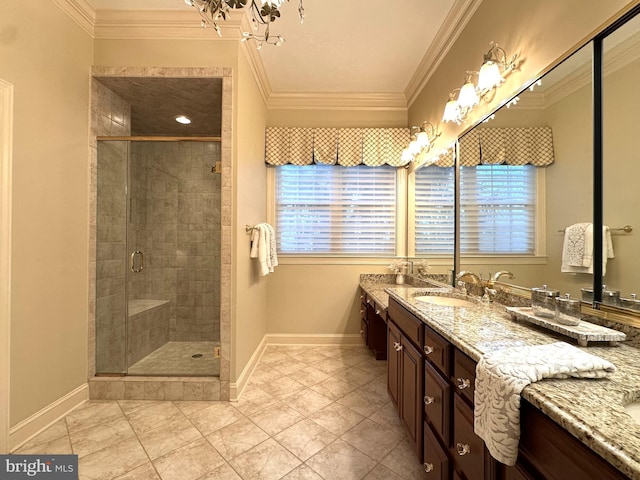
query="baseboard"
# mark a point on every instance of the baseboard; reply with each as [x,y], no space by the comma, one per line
[313,339]
[235,389]
[287,339]
[36,423]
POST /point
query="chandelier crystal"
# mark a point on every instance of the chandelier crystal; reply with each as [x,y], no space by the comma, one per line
[262,12]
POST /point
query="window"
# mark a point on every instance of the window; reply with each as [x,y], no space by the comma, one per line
[331,210]
[497,210]
[434,215]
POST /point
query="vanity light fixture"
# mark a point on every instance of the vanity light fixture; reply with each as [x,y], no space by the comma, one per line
[495,66]
[421,142]
[262,13]
[183,119]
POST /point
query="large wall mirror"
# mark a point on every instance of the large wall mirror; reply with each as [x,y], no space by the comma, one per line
[621,163]
[525,176]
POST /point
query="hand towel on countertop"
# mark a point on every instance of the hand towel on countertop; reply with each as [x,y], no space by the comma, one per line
[503,374]
[577,248]
[263,247]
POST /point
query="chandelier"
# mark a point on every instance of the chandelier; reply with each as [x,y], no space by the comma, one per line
[262,12]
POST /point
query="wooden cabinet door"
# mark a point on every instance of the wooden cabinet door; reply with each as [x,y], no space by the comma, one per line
[411,391]
[435,460]
[468,449]
[437,403]
[393,363]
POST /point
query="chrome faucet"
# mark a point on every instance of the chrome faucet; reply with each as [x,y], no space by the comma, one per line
[502,273]
[464,274]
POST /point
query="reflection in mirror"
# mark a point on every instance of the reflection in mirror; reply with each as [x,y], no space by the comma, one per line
[621,104]
[526,176]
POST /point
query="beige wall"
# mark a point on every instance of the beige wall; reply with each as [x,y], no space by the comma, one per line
[540,31]
[50,206]
[250,290]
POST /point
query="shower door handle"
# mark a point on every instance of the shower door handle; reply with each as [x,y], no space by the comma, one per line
[133,263]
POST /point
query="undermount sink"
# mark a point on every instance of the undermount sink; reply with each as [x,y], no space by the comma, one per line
[446,301]
[633,410]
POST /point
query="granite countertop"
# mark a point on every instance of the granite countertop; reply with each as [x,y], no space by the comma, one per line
[591,410]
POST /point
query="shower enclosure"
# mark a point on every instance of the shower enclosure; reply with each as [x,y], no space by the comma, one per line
[158,258]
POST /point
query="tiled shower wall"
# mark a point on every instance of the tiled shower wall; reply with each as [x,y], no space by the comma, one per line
[112,117]
[175,218]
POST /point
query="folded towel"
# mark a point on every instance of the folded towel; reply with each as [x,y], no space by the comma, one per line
[263,247]
[577,248]
[503,374]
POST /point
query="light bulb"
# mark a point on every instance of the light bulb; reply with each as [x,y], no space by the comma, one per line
[423,139]
[467,97]
[406,155]
[489,76]
[414,147]
[451,112]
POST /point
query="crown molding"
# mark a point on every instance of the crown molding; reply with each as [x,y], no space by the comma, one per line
[614,59]
[81,12]
[336,101]
[166,24]
[255,63]
[452,27]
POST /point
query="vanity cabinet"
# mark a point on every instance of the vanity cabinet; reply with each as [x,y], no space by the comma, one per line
[546,450]
[373,325]
[405,363]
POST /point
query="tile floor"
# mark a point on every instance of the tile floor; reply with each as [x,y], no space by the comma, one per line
[307,413]
[175,358]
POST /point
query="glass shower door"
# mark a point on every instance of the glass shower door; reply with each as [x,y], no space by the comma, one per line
[111,265]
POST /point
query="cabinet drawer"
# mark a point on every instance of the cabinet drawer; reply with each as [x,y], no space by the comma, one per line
[468,448]
[437,403]
[412,328]
[438,351]
[464,375]
[436,461]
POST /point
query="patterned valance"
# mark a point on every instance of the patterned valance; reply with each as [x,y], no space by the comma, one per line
[512,145]
[330,146]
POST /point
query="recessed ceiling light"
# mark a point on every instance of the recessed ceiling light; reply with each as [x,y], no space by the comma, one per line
[183,119]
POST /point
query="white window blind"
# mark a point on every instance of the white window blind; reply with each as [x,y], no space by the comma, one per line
[497,210]
[323,209]
[434,215]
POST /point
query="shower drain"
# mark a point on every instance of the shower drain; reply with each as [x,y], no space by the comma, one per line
[196,355]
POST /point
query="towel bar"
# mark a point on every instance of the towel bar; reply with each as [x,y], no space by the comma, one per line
[625,229]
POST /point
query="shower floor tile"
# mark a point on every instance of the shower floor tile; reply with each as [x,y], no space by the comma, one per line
[176,358]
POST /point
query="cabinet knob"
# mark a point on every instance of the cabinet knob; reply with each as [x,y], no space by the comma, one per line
[428,350]
[369,301]
[428,400]
[463,383]
[397,346]
[377,312]
[361,297]
[428,467]
[361,332]
[463,448]
[361,312]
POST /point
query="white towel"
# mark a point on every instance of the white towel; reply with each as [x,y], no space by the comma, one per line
[503,374]
[263,247]
[577,248]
